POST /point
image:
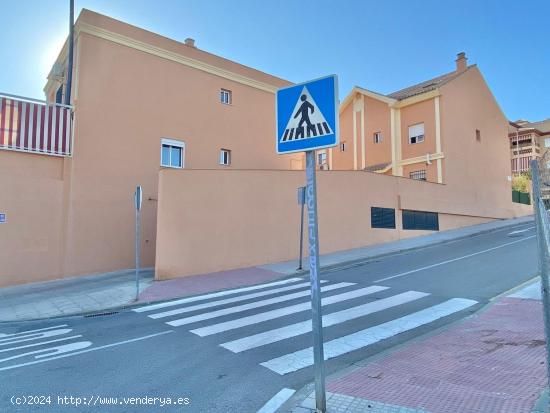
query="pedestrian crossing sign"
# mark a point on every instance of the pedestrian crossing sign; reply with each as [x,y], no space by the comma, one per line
[307,116]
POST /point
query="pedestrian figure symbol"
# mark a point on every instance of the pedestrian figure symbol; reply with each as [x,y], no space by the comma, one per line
[307,121]
[304,112]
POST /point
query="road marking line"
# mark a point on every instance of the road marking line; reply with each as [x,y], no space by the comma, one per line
[214,295]
[293,330]
[453,260]
[40,344]
[31,331]
[281,312]
[50,351]
[86,350]
[250,306]
[304,358]
[519,231]
[34,336]
[277,401]
[230,300]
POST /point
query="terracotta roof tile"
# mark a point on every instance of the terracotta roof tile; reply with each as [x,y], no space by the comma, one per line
[425,86]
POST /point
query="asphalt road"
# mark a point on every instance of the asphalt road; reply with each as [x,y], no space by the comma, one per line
[176,351]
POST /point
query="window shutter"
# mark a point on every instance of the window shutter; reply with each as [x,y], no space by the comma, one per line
[416,130]
[382,217]
[420,220]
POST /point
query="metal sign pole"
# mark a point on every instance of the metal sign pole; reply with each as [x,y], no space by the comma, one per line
[302,202]
[543,242]
[316,319]
[138,199]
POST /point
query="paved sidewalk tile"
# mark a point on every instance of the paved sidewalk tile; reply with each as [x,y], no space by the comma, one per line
[491,363]
[198,284]
[341,403]
[70,296]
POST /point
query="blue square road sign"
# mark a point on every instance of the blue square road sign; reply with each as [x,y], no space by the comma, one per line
[307,116]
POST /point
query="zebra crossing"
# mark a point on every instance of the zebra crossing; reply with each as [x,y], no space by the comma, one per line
[230,315]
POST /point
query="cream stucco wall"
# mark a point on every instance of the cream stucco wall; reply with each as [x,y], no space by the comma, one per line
[252,217]
[31,239]
[478,170]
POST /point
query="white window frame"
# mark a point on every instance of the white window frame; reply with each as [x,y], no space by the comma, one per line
[226,96]
[418,137]
[377,137]
[322,155]
[172,143]
[222,157]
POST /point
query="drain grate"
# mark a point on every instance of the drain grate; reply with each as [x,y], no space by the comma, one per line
[101,314]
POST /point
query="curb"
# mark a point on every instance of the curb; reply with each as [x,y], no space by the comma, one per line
[360,261]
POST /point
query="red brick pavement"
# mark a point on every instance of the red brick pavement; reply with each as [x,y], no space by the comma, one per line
[490,363]
[198,284]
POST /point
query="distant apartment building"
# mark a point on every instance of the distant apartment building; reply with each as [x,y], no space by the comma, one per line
[528,140]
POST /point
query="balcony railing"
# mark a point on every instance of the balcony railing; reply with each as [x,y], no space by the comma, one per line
[30,125]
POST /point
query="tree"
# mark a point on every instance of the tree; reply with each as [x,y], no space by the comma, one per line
[521,182]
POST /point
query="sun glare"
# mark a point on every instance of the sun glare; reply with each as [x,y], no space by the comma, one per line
[50,53]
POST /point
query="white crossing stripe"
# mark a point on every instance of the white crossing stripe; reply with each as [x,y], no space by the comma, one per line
[293,330]
[304,358]
[281,312]
[277,401]
[520,231]
[214,295]
[244,307]
[230,300]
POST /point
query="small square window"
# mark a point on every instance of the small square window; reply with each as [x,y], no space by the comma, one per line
[418,175]
[172,153]
[225,157]
[322,158]
[416,133]
[225,97]
[478,135]
[377,137]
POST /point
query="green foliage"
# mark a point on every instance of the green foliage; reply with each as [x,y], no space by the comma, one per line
[522,182]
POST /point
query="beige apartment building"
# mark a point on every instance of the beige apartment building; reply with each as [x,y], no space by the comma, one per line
[428,131]
[147,110]
[528,140]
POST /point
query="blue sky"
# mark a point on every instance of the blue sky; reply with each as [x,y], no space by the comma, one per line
[380,45]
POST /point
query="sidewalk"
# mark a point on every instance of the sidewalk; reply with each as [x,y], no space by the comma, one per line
[95,293]
[365,253]
[492,362]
